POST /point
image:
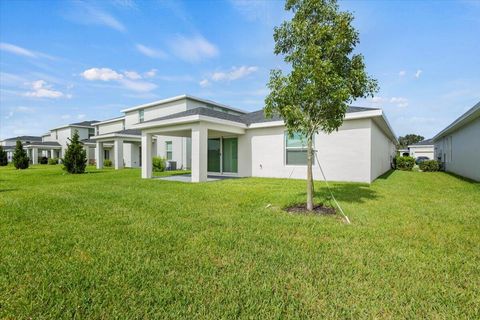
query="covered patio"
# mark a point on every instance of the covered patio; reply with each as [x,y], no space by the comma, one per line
[37,149]
[214,142]
[115,142]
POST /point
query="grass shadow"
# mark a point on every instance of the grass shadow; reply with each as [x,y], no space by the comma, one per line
[7,190]
[386,175]
[353,193]
[462,178]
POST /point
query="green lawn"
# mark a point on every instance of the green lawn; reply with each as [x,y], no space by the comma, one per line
[110,245]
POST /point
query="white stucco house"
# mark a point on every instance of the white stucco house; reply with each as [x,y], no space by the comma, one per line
[457,146]
[10,143]
[210,138]
[423,148]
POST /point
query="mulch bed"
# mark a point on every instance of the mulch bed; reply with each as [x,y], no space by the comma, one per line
[317,209]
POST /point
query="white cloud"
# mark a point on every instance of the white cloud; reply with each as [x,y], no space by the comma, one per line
[150,52]
[150,74]
[400,102]
[418,73]
[104,74]
[402,73]
[204,83]
[20,109]
[234,74]
[139,86]
[43,90]
[86,14]
[193,49]
[20,51]
[81,116]
[132,75]
[17,50]
[129,79]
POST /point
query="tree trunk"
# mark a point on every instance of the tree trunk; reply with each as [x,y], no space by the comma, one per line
[309,174]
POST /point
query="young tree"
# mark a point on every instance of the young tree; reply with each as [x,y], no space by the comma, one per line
[75,159]
[325,75]
[409,139]
[20,159]
[3,157]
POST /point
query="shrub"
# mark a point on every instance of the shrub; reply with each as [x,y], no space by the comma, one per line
[75,159]
[20,159]
[43,160]
[429,166]
[159,164]
[405,163]
[53,161]
[3,157]
[107,163]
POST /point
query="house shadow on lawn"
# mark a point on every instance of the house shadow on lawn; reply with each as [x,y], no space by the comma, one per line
[354,193]
[387,174]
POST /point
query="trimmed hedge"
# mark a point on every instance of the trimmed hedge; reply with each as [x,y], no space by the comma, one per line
[107,163]
[53,161]
[404,163]
[43,160]
[429,166]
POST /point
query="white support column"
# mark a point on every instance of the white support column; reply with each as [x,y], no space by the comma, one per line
[199,153]
[52,153]
[35,155]
[146,155]
[118,148]
[99,155]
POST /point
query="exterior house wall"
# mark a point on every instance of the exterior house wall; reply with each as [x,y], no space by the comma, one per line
[460,151]
[178,149]
[344,155]
[110,127]
[153,112]
[422,151]
[131,154]
[382,152]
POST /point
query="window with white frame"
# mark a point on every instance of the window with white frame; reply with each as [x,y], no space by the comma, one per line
[169,150]
[295,149]
[140,115]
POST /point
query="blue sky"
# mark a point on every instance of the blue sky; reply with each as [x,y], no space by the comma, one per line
[64,62]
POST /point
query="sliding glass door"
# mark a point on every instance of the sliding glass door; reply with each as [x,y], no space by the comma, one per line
[223,155]
[214,155]
[230,155]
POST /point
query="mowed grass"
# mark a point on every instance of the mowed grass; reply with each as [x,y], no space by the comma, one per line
[108,244]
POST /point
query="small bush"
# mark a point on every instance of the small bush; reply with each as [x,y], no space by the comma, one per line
[429,166]
[53,161]
[159,164]
[3,157]
[43,160]
[20,158]
[405,163]
[107,163]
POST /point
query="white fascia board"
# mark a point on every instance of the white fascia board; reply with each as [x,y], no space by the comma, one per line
[187,119]
[109,121]
[420,145]
[266,124]
[71,126]
[180,97]
[42,146]
[115,135]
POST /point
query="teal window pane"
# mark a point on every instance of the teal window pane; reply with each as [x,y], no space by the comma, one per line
[295,140]
[296,157]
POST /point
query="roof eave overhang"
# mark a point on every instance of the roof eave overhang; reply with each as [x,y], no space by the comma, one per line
[185,120]
[469,116]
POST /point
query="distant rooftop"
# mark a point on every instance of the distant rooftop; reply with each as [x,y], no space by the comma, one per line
[426,142]
[24,138]
[84,123]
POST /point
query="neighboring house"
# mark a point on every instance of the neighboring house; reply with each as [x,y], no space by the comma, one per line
[9,144]
[211,138]
[457,146]
[423,148]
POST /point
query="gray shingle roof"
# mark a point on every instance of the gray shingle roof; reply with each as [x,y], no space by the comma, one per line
[25,138]
[44,143]
[248,118]
[84,123]
[425,142]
